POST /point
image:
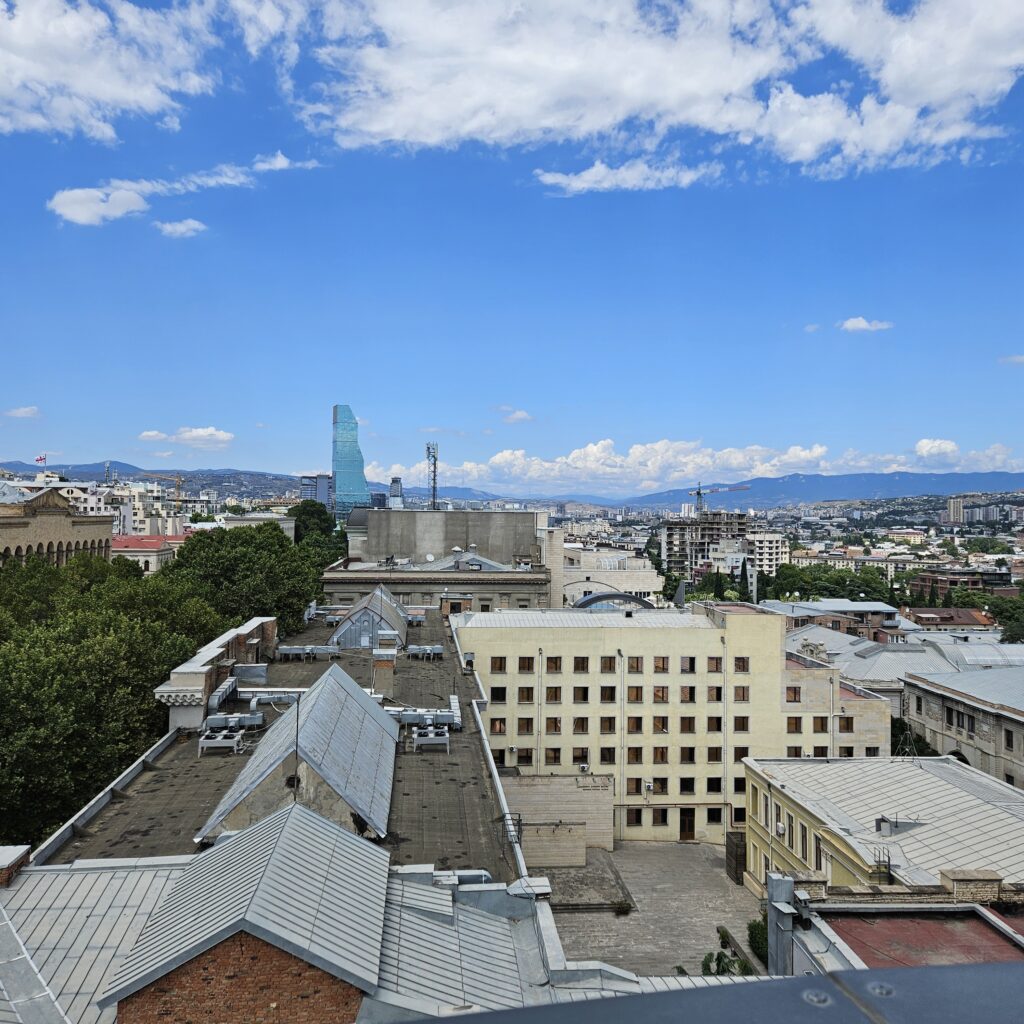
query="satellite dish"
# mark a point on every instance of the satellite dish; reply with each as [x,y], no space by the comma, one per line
[430,558]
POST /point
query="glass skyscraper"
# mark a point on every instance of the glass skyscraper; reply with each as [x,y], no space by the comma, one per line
[350,488]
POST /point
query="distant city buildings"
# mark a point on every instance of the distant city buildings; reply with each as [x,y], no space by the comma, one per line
[317,487]
[955,510]
[350,490]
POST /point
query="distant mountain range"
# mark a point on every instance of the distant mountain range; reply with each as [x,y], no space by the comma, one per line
[761,492]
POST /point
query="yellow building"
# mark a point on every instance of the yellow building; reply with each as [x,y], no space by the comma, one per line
[665,702]
[905,821]
[48,526]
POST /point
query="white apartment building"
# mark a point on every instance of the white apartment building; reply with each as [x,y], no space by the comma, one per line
[665,703]
[769,550]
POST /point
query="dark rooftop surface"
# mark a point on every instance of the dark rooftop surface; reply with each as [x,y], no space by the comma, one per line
[444,809]
[925,939]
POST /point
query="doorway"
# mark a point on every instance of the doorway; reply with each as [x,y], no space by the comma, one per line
[687,824]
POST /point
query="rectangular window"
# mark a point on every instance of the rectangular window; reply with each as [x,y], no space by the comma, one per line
[687,755]
[634,724]
[659,786]
[741,723]
[580,694]
[949,716]
[525,695]
[581,664]
[607,725]
[821,723]
[659,816]
[739,815]
[499,694]
[739,785]
[660,724]
[1009,779]
[524,758]
[660,755]
[1008,739]
[634,816]
[803,842]
[634,663]
[741,694]
[714,815]
[817,853]
[714,785]
[714,723]
[554,664]
[738,753]
[821,751]
[526,664]
[659,695]
[687,694]
[714,694]
[794,751]
[580,726]
[634,787]
[714,664]
[792,694]
[524,726]
[686,786]
[687,665]
[607,755]
[846,751]
[497,666]
[553,694]
[741,664]
[794,724]
[660,663]
[607,694]
[871,751]
[714,755]
[607,663]
[687,724]
[553,726]
[767,814]
[581,755]
[552,755]
[790,837]
[918,705]
[846,723]
[498,727]
[635,694]
[634,755]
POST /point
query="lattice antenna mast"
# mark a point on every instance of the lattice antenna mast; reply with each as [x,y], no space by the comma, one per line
[432,470]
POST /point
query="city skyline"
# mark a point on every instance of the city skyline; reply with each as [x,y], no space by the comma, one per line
[784,245]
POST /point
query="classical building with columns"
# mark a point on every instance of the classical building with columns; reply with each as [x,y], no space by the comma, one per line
[47,525]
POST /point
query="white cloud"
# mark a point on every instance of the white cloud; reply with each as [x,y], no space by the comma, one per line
[119,197]
[206,438]
[162,455]
[179,228]
[633,176]
[811,328]
[859,323]
[1013,360]
[279,162]
[23,412]
[517,416]
[666,464]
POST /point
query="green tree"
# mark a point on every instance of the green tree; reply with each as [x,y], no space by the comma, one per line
[743,587]
[311,517]
[1013,631]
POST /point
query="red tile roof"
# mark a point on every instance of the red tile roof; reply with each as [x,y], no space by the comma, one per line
[148,542]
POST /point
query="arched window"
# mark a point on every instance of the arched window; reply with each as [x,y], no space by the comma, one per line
[145,565]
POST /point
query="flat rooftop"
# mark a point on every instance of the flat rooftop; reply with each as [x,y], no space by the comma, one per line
[444,808]
[908,939]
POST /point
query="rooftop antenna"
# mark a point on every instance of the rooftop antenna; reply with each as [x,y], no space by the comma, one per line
[432,471]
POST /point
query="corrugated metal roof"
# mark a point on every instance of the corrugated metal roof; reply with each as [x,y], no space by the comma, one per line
[951,815]
[78,922]
[1003,686]
[294,879]
[343,734]
[583,618]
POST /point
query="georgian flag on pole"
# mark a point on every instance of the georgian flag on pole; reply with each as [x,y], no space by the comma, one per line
[41,458]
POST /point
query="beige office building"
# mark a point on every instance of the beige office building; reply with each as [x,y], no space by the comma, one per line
[48,526]
[666,703]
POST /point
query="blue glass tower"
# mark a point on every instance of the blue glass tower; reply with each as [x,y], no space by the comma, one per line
[350,488]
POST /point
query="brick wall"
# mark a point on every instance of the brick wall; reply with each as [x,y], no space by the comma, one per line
[243,980]
[11,867]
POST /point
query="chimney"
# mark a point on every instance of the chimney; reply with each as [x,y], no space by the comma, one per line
[12,860]
[384,670]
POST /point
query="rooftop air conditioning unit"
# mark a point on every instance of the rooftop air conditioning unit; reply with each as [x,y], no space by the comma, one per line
[780,829]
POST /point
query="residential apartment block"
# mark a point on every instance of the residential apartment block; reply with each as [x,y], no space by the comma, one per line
[686,544]
[769,549]
[666,703]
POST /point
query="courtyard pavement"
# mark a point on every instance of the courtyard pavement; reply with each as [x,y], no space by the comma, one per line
[681,893]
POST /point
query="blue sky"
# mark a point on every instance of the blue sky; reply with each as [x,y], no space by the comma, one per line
[585,247]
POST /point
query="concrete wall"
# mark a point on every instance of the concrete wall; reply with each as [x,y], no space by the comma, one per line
[588,799]
[405,533]
[558,844]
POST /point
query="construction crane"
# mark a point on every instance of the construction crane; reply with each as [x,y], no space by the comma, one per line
[700,492]
[176,480]
[432,472]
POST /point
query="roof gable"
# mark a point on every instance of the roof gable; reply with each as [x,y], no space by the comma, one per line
[294,880]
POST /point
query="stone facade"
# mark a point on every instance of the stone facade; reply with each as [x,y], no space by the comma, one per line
[243,980]
[48,526]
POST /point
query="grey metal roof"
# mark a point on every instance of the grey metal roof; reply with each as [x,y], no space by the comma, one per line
[381,602]
[979,653]
[1000,686]
[952,815]
[467,959]
[25,998]
[10,495]
[294,879]
[77,922]
[343,734]
[583,618]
